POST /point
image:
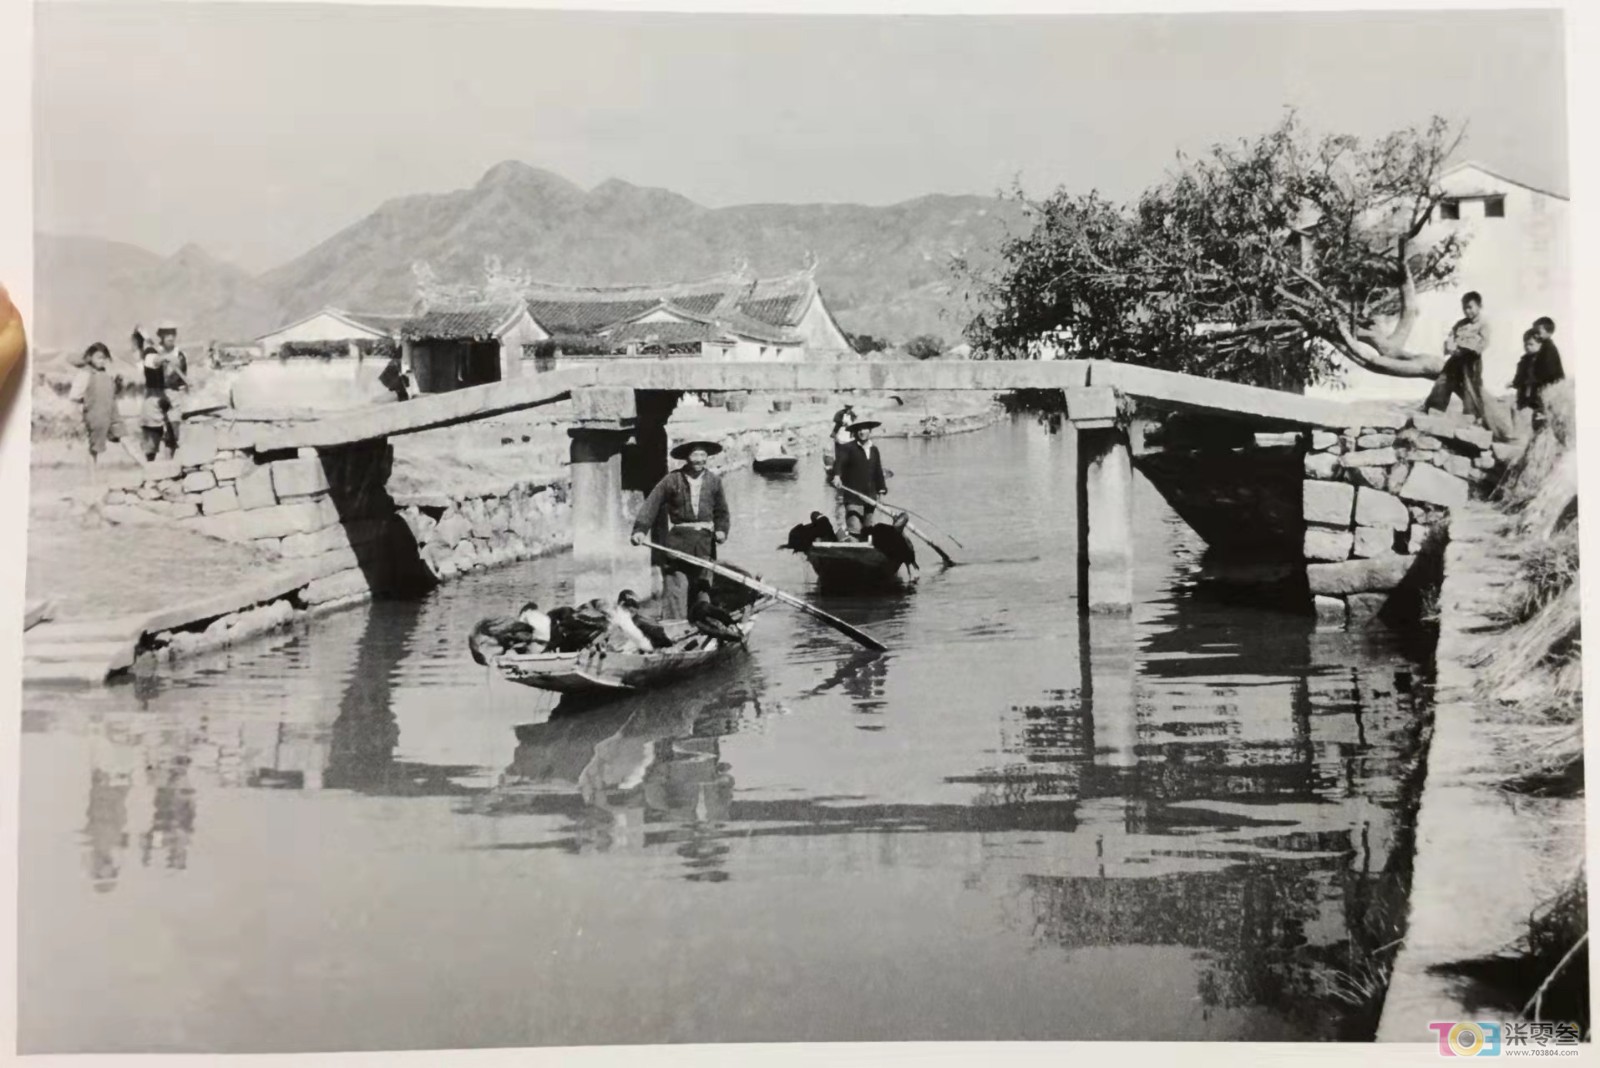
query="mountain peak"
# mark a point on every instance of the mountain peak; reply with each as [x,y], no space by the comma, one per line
[514,174]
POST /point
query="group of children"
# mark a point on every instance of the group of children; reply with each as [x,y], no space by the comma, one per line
[165,377]
[1538,369]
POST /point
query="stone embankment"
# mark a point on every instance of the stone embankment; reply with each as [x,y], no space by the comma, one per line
[339,536]
[1375,497]
[1486,859]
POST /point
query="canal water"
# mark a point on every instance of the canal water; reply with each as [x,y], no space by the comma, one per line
[1189,824]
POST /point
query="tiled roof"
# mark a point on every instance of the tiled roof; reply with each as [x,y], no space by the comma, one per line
[478,322]
[382,322]
[670,333]
[739,300]
[724,322]
[584,316]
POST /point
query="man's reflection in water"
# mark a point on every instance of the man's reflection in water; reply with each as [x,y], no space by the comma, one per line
[647,761]
[112,764]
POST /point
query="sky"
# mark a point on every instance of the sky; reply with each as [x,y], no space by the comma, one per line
[258,130]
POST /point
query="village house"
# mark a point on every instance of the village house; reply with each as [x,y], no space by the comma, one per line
[452,348]
[327,331]
[733,317]
[1515,255]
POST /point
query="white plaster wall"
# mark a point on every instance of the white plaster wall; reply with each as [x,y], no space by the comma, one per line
[321,327]
[324,385]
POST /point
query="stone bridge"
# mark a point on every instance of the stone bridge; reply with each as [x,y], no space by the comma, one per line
[1344,495]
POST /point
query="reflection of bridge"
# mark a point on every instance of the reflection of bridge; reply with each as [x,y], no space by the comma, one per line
[619,437]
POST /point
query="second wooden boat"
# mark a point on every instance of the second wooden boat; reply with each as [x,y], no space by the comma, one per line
[853,567]
[775,465]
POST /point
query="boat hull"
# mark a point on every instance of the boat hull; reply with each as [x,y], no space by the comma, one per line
[597,672]
[776,465]
[853,567]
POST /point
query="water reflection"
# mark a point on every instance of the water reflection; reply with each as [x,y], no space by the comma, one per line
[1202,801]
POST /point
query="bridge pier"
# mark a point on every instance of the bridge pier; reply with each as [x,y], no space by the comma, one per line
[1104,502]
[606,563]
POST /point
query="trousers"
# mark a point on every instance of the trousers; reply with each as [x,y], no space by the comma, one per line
[678,580]
[1463,377]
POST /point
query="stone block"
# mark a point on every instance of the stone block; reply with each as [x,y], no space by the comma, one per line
[603,405]
[228,470]
[161,470]
[1329,610]
[279,521]
[349,583]
[1378,509]
[421,524]
[149,493]
[1476,436]
[1372,477]
[255,488]
[1331,503]
[199,482]
[1376,440]
[197,445]
[1486,461]
[1506,451]
[1368,575]
[328,539]
[1369,458]
[1364,608]
[236,437]
[1322,440]
[1437,424]
[452,529]
[1417,536]
[1430,485]
[222,499]
[1326,543]
[1460,466]
[1373,541]
[132,515]
[1321,465]
[298,478]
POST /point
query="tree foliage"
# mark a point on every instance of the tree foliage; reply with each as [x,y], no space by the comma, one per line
[925,347]
[865,344]
[1260,262]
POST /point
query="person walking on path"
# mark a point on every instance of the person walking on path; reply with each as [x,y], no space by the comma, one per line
[1462,375]
[696,509]
[860,468]
[95,388]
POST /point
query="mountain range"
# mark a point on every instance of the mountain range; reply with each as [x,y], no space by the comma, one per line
[884,270]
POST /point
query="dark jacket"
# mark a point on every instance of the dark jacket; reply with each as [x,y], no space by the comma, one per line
[1535,372]
[861,469]
[672,493]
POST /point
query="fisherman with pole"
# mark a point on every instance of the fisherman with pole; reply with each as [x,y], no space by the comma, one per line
[859,471]
[697,521]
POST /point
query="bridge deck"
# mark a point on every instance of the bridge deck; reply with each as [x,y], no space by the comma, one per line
[1270,409]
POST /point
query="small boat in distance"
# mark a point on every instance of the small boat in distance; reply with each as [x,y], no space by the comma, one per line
[853,567]
[772,458]
[597,671]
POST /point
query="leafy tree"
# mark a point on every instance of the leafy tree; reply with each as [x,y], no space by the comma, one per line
[925,347]
[1261,262]
[864,344]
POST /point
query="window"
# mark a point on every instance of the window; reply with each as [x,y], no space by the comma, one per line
[1494,208]
[1449,209]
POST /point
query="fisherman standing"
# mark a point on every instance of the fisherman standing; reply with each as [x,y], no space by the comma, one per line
[697,521]
[860,468]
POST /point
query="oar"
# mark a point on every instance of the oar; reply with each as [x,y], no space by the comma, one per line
[918,515]
[835,622]
[948,562]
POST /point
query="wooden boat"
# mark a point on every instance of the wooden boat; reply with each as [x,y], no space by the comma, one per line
[853,567]
[775,465]
[597,670]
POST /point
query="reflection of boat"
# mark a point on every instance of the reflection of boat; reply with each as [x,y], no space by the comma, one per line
[598,670]
[853,567]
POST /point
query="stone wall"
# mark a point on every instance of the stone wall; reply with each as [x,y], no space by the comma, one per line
[1374,500]
[470,531]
